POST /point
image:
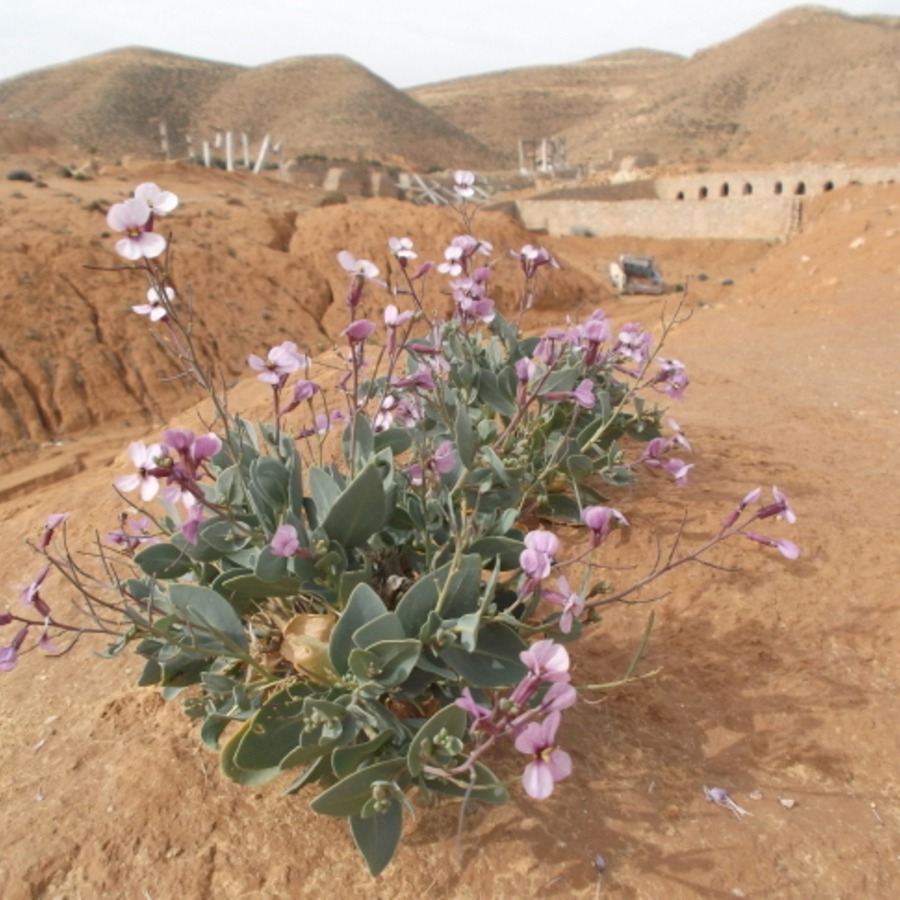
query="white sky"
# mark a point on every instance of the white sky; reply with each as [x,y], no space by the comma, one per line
[407,42]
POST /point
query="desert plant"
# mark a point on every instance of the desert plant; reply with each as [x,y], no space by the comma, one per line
[365,591]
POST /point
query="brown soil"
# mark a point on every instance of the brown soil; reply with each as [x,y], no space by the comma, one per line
[774,677]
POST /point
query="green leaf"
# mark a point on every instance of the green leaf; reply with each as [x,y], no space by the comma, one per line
[386,627]
[273,733]
[487,787]
[235,772]
[221,535]
[164,561]
[465,436]
[363,606]
[386,664]
[349,795]
[359,511]
[398,440]
[214,617]
[377,836]
[462,594]
[359,431]
[494,662]
[492,548]
[491,393]
[450,720]
[271,479]
[324,489]
[269,566]
[346,760]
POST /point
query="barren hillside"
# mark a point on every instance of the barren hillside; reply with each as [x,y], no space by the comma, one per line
[113,102]
[808,84]
[332,106]
[539,101]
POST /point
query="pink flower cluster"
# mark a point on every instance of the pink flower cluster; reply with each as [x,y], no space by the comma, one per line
[547,681]
[135,217]
[180,461]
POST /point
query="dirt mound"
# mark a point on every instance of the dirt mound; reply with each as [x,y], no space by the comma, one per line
[258,265]
[775,680]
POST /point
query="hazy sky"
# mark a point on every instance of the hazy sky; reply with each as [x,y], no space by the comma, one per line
[407,42]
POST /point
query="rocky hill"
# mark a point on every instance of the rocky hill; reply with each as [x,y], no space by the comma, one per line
[113,104]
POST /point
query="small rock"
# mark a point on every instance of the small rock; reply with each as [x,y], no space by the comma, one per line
[787,803]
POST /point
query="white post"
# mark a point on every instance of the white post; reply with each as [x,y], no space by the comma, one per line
[206,159]
[543,154]
[164,139]
[217,143]
[260,160]
[245,145]
[229,151]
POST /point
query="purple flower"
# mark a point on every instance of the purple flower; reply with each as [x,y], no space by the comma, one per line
[780,508]
[787,549]
[633,343]
[159,201]
[571,602]
[421,379]
[362,268]
[463,182]
[560,695]
[678,469]
[402,248]
[191,524]
[583,395]
[671,379]
[444,458]
[602,520]
[462,248]
[393,318]
[146,461]
[29,595]
[53,522]
[720,797]
[537,558]
[205,446]
[285,541]
[280,362]
[135,218]
[546,660]
[532,258]
[478,712]
[548,763]
[10,655]
[358,331]
[155,307]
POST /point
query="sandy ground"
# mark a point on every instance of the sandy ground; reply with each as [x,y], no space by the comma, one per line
[778,678]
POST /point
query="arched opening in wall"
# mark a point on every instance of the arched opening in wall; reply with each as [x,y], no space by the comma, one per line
[703,193]
[800,189]
[828,186]
[747,189]
[679,195]
[779,187]
[723,191]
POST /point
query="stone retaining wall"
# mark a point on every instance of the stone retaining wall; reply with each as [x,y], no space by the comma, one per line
[742,205]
